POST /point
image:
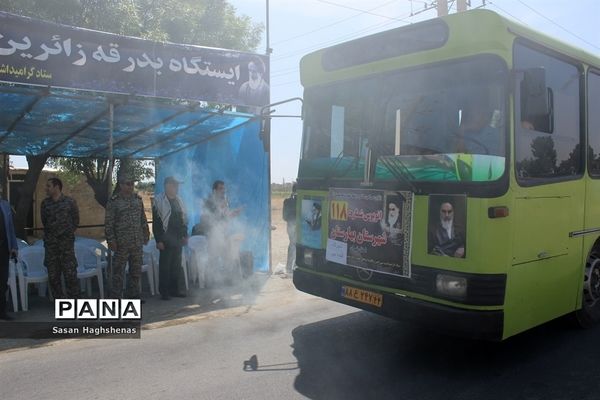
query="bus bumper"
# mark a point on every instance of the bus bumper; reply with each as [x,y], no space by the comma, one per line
[485,325]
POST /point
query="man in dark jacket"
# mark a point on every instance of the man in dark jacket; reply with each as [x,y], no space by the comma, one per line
[289,216]
[170,231]
[8,248]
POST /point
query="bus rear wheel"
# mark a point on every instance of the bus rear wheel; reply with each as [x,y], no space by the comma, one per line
[589,314]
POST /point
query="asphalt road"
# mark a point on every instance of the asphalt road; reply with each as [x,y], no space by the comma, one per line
[307,348]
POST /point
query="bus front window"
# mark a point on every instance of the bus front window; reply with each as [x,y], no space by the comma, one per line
[444,122]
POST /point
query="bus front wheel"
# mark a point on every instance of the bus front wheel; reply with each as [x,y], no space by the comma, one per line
[589,314]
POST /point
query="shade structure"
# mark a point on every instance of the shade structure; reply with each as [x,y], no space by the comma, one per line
[76,124]
[196,144]
[172,103]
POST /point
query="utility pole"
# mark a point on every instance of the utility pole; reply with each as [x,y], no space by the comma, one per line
[442,8]
[269,50]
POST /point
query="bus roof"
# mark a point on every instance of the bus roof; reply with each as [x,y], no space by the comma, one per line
[453,36]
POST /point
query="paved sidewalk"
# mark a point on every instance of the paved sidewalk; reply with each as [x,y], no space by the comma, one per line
[257,292]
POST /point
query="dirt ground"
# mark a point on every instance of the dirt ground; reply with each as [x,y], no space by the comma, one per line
[279,237]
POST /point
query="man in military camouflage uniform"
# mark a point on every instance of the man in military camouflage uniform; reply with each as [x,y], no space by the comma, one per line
[60,217]
[126,231]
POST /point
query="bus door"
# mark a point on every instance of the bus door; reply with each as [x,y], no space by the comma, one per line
[549,194]
[591,230]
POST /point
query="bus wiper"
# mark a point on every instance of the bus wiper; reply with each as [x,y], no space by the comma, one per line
[401,174]
[338,160]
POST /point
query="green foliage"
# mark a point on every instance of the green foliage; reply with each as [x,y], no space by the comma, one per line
[140,170]
[211,23]
[145,187]
[95,170]
[69,178]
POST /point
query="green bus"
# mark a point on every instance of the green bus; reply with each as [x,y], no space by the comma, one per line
[450,176]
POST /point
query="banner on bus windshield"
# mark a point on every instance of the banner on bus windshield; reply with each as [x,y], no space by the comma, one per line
[370,229]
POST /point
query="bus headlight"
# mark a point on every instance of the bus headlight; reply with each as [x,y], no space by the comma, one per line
[451,286]
[308,257]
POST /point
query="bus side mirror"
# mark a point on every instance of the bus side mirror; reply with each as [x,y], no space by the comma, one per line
[534,93]
[265,133]
[536,100]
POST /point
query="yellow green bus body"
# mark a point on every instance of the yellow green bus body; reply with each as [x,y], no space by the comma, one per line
[538,251]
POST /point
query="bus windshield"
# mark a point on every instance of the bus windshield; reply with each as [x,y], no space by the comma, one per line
[434,123]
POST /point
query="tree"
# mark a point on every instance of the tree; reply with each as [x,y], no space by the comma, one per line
[202,22]
[36,165]
[543,162]
[96,172]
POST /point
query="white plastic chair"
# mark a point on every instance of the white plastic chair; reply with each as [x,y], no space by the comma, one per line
[12,275]
[184,265]
[89,266]
[151,249]
[151,256]
[148,269]
[98,247]
[12,284]
[198,258]
[30,269]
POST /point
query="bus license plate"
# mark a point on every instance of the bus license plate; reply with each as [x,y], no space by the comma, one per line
[362,296]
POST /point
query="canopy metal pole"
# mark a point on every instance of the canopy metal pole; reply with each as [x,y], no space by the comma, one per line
[4,178]
[111,116]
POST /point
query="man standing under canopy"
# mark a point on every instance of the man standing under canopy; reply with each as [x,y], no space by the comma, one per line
[223,242]
[169,226]
[126,231]
[60,217]
[8,248]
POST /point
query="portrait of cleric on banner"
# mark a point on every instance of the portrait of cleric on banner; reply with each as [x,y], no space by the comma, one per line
[392,224]
[447,224]
[255,91]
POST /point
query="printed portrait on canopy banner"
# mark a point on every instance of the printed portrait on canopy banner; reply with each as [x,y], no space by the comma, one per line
[370,229]
[447,226]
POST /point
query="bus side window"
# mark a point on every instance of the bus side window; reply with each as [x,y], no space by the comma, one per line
[594,123]
[547,134]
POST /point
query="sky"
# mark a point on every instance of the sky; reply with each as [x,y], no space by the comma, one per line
[298,27]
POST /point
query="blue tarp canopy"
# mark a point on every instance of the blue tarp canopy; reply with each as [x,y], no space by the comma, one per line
[196,144]
[77,124]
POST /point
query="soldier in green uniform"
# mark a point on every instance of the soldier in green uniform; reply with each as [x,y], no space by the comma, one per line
[60,217]
[126,230]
